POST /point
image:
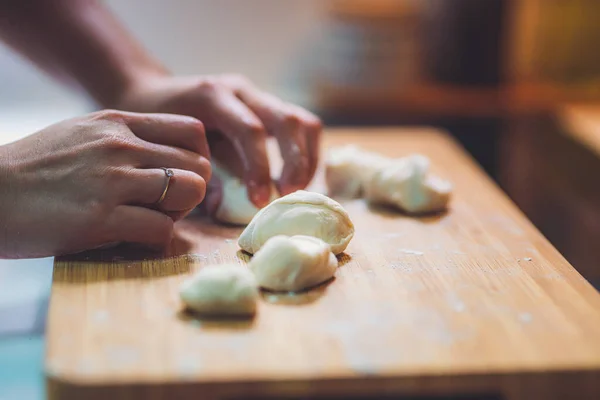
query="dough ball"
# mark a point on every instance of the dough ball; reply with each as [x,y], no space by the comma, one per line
[235,207]
[228,289]
[300,213]
[293,263]
[347,169]
[407,184]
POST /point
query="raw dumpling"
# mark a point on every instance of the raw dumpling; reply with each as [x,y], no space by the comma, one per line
[293,263]
[407,184]
[300,213]
[228,289]
[347,169]
[235,207]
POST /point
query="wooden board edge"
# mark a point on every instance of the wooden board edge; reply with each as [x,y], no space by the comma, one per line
[583,384]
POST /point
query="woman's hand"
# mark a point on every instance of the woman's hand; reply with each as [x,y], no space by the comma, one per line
[83,41]
[244,116]
[95,180]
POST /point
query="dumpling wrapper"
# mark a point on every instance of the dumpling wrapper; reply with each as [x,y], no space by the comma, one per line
[293,263]
[221,290]
[348,168]
[300,213]
[407,184]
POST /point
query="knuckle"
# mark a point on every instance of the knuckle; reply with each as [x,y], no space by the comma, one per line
[119,143]
[295,120]
[255,130]
[313,124]
[291,120]
[208,85]
[109,115]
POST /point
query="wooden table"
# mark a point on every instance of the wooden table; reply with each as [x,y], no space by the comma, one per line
[471,302]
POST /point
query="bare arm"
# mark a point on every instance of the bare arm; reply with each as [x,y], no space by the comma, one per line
[79,42]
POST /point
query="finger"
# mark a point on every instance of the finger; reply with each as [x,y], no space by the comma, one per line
[247,134]
[139,225]
[285,124]
[214,196]
[154,156]
[312,132]
[186,189]
[222,154]
[170,130]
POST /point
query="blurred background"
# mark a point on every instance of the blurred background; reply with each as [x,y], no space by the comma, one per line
[517,82]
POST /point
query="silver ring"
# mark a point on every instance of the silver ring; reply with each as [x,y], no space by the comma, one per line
[168,174]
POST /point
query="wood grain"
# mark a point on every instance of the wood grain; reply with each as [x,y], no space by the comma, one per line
[473,301]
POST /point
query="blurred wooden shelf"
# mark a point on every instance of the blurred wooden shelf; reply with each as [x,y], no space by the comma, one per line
[435,100]
[582,123]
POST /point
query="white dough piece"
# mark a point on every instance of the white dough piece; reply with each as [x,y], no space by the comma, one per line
[293,263]
[235,207]
[407,184]
[227,289]
[348,168]
[300,213]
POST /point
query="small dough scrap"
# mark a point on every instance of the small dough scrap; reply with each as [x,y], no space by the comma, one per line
[293,263]
[235,207]
[407,184]
[221,290]
[300,213]
[348,168]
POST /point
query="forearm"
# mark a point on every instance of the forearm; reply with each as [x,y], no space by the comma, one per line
[6,199]
[79,42]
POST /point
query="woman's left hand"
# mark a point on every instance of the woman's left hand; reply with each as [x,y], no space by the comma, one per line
[244,115]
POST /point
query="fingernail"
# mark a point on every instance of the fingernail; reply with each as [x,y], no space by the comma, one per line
[259,194]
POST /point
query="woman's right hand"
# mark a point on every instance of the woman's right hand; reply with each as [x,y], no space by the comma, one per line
[95,180]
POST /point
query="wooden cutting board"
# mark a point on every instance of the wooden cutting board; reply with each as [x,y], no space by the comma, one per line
[471,302]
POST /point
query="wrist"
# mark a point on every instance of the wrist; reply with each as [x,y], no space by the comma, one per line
[135,80]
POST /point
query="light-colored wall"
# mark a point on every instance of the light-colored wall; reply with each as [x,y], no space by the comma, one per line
[263,39]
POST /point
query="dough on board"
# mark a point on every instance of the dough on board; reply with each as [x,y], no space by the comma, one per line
[293,263]
[235,207]
[407,184]
[348,168]
[300,213]
[226,289]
